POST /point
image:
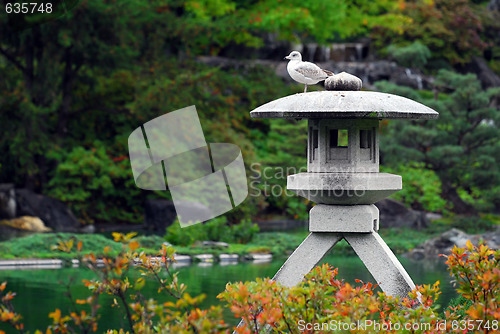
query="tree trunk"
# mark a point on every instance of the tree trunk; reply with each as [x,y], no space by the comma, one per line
[449,192]
[29,76]
[66,86]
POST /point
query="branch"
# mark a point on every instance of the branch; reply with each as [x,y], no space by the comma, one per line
[120,295]
[13,60]
[480,143]
[165,287]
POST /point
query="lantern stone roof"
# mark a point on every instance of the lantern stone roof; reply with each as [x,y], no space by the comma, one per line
[344,104]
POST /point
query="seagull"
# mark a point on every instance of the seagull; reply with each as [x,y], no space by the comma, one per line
[305,72]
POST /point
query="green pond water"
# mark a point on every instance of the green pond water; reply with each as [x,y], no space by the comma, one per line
[42,291]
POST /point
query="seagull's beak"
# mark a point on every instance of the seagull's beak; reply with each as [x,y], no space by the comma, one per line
[287,57]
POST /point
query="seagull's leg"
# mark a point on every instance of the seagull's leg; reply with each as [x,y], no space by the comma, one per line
[305,88]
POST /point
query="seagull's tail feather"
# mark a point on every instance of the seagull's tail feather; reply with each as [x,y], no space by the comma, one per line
[328,73]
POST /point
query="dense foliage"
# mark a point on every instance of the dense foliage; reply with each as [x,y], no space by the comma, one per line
[421,187]
[461,147]
[215,230]
[78,81]
[451,29]
[414,55]
[325,300]
[266,305]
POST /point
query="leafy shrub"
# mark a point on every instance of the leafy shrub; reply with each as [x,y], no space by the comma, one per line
[39,245]
[265,305]
[451,29]
[243,232]
[414,55]
[461,302]
[92,182]
[179,236]
[421,187]
[477,272]
[281,243]
[140,314]
[321,299]
[215,229]
[259,250]
[474,224]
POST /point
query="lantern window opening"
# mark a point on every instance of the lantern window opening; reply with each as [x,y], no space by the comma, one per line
[339,138]
[314,141]
[367,143]
[365,138]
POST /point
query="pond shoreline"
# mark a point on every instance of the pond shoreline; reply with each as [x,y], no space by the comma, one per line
[40,250]
[180,261]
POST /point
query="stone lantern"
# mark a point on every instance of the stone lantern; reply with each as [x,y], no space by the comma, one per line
[343,178]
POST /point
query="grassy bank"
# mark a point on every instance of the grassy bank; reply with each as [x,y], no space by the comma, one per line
[280,244]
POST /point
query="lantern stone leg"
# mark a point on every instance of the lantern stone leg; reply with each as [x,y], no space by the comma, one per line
[309,253]
[377,257]
[381,262]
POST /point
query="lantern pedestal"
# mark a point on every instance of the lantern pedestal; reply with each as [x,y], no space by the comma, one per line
[344,218]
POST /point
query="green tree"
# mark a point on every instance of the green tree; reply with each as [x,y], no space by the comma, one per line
[414,55]
[92,71]
[53,64]
[211,25]
[451,29]
[281,152]
[70,74]
[461,147]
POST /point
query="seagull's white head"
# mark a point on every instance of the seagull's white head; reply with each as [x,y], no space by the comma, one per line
[294,55]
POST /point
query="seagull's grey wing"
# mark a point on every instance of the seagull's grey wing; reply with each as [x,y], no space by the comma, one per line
[312,71]
[329,73]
